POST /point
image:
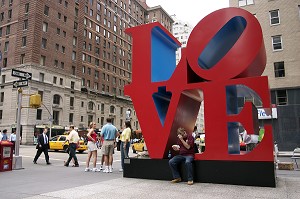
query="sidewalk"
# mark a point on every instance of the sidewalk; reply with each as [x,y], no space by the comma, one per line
[55,181]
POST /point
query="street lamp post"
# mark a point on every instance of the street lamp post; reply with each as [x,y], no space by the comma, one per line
[17,158]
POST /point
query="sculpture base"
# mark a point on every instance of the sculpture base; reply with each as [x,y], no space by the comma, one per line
[249,173]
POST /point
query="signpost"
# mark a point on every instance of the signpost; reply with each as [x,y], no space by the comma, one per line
[22,82]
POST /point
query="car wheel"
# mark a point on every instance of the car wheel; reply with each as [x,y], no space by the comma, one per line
[66,149]
[133,150]
[80,151]
[55,150]
[143,149]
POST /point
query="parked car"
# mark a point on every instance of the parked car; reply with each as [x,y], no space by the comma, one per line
[58,143]
[138,146]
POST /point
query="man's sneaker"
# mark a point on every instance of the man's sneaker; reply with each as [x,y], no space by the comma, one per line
[110,170]
[105,170]
[96,170]
[190,182]
[87,170]
[121,170]
[176,180]
[101,168]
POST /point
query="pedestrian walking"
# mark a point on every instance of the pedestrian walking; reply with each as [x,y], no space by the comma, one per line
[109,134]
[92,148]
[42,146]
[12,139]
[73,139]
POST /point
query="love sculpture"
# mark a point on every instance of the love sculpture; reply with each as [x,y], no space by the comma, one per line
[225,56]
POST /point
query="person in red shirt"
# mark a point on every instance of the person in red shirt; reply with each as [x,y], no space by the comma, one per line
[185,147]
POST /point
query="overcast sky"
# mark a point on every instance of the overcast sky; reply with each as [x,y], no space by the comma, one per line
[191,11]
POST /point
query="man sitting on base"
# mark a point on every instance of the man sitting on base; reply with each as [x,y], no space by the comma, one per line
[185,146]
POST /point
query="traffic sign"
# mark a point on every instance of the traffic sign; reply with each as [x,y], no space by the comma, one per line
[21,74]
[20,83]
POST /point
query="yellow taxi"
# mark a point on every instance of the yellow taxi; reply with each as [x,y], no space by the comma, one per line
[138,146]
[58,143]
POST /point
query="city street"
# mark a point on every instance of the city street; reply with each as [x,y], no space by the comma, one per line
[56,181]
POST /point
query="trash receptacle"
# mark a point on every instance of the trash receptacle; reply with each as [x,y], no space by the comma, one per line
[6,155]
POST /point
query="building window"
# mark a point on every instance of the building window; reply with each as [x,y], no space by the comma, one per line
[56,99]
[102,108]
[277,42]
[281,97]
[1,113]
[25,24]
[4,62]
[44,43]
[74,55]
[76,12]
[71,115]
[71,101]
[6,44]
[8,30]
[96,85]
[274,17]
[22,59]
[56,63]
[43,60]
[75,26]
[61,81]
[102,121]
[112,109]
[41,94]
[1,97]
[279,69]
[41,77]
[74,41]
[46,10]
[54,80]
[73,70]
[26,8]
[9,14]
[56,117]
[39,114]
[81,118]
[82,104]
[91,106]
[245,2]
[23,41]
[72,85]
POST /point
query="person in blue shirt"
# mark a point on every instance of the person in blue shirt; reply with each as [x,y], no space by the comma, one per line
[109,134]
[4,135]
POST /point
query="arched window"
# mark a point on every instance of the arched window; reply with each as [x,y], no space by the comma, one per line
[91,106]
[112,109]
